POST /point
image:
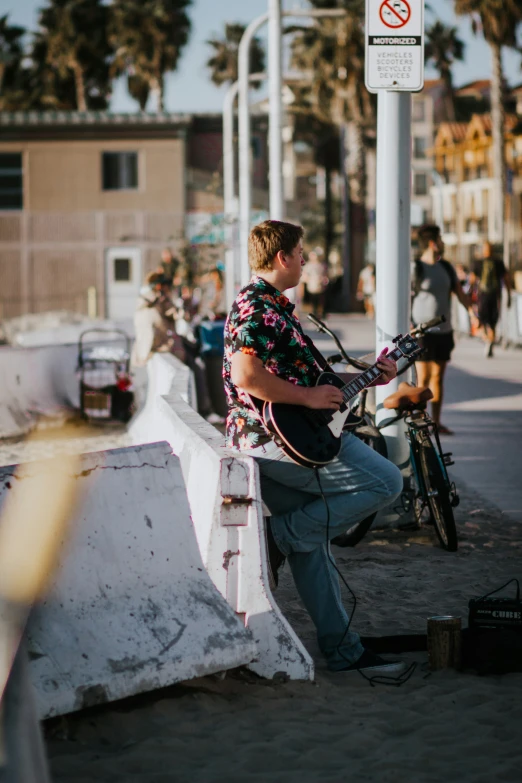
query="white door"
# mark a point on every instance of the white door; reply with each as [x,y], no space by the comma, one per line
[123,265]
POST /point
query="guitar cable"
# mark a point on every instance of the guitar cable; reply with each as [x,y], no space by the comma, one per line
[378,679]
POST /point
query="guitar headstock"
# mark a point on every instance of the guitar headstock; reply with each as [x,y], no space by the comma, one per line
[407,346]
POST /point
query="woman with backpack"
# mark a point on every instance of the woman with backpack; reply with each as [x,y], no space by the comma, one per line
[434,280]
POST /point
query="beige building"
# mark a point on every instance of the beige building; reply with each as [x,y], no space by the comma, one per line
[88,201]
[464,201]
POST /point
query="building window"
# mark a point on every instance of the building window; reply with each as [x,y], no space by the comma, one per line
[421,185]
[122,270]
[419,147]
[11,181]
[419,110]
[119,170]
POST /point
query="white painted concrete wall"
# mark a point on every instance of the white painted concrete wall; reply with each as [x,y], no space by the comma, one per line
[37,380]
[132,607]
[226,507]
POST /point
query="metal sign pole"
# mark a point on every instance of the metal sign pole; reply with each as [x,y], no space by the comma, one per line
[393,243]
[394,69]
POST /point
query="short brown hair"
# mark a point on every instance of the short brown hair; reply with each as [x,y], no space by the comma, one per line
[426,234]
[268,238]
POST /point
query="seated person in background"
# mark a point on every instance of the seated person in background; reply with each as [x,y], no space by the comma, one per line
[154,321]
[169,266]
[315,280]
[366,289]
[213,303]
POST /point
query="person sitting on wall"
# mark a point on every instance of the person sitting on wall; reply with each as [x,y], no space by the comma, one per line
[154,321]
[268,358]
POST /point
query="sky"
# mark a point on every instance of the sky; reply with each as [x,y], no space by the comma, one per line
[189,89]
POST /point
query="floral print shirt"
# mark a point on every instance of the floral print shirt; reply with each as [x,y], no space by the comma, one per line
[262,323]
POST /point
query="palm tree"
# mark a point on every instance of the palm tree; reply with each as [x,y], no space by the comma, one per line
[224,62]
[73,41]
[443,47]
[11,54]
[498,20]
[333,49]
[148,37]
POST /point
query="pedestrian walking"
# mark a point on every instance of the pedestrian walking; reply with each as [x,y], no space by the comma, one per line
[434,280]
[489,275]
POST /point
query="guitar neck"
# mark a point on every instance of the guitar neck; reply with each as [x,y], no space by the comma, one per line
[366,378]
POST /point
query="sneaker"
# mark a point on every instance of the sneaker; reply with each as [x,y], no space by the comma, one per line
[373,665]
[276,558]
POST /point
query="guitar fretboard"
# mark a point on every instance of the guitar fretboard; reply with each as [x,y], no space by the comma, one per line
[356,385]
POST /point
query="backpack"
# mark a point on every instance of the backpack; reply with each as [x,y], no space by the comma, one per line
[419,272]
[488,283]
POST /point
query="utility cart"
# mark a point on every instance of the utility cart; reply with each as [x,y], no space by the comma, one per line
[105,381]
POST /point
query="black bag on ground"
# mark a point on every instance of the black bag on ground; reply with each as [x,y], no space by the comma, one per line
[489,651]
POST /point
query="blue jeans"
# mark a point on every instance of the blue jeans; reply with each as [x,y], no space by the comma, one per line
[357,483]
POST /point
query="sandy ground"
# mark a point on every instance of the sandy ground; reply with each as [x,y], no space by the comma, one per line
[442,726]
[78,437]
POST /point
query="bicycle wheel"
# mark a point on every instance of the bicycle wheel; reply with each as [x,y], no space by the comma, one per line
[369,434]
[438,494]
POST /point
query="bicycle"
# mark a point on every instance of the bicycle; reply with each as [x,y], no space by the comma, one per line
[429,488]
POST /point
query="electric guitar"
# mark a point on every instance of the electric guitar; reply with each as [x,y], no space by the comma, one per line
[312,437]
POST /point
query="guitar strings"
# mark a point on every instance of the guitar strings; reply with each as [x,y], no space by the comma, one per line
[378,679]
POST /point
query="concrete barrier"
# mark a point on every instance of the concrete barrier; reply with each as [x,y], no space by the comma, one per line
[226,507]
[132,607]
[34,381]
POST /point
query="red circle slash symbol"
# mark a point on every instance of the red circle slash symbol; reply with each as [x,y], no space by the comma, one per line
[395,13]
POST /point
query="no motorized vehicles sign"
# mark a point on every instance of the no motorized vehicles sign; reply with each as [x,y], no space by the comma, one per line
[395,45]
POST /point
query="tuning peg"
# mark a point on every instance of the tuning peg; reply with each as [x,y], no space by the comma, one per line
[396,339]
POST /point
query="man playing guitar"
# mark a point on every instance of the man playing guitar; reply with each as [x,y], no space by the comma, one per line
[268,358]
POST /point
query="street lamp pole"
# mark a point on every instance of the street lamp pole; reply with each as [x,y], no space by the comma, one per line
[275,113]
[230,200]
[275,84]
[245,186]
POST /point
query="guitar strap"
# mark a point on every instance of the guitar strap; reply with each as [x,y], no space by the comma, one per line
[318,356]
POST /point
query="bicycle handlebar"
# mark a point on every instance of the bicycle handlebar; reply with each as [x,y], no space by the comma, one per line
[323,328]
[357,363]
[421,329]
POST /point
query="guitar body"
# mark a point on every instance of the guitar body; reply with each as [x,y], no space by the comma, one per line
[312,438]
[309,437]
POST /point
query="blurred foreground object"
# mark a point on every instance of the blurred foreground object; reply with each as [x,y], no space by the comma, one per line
[32,529]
